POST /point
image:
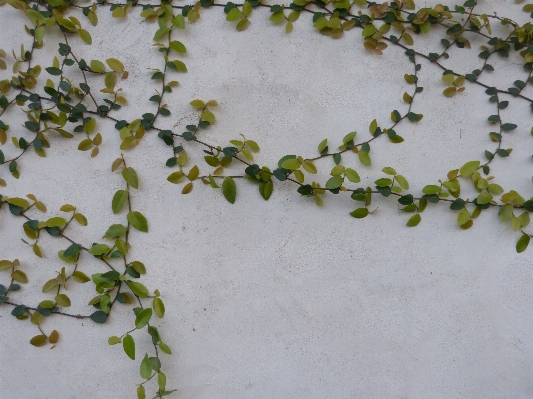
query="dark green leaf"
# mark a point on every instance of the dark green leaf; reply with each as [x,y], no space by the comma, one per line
[99,317]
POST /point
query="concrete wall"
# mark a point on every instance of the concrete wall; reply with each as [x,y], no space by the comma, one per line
[282,299]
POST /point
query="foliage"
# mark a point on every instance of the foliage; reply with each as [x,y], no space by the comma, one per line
[67,108]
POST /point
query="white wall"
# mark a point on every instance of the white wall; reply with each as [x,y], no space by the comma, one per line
[282,299]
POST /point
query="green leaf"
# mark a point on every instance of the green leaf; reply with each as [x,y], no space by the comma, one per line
[463,217]
[364,158]
[19,310]
[74,248]
[19,202]
[138,221]
[242,24]
[143,318]
[266,189]
[309,167]
[247,9]
[506,211]
[85,36]
[408,38]
[425,27]
[37,318]
[97,66]
[252,144]
[291,164]
[99,249]
[522,243]
[47,304]
[208,116]
[508,127]
[159,307]
[484,198]
[180,65]
[450,185]
[80,277]
[349,137]
[369,30]
[128,344]
[161,377]
[197,103]
[402,181]
[113,340]
[50,285]
[19,276]
[468,168]
[99,317]
[55,222]
[234,14]
[138,289]
[139,267]
[352,175]
[322,146]
[110,80]
[193,173]
[448,78]
[130,176]
[431,189]
[53,71]
[373,126]
[115,230]
[63,300]
[80,218]
[93,18]
[176,177]
[141,392]
[67,23]
[39,340]
[179,21]
[178,46]
[229,189]
[409,78]
[337,170]
[450,91]
[164,347]
[383,182]
[414,220]
[118,12]
[334,182]
[414,117]
[119,199]
[277,17]
[85,145]
[359,213]
[146,368]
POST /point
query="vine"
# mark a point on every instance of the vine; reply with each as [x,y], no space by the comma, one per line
[67,108]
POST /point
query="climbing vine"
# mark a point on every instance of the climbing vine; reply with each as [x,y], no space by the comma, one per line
[65,106]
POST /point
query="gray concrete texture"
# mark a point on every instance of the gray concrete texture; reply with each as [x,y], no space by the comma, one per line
[282,299]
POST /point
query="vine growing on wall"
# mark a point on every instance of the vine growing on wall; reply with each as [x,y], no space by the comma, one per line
[65,106]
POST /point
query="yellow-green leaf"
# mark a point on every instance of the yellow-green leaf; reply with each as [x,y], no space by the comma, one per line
[85,36]
[229,189]
[115,65]
[208,116]
[39,340]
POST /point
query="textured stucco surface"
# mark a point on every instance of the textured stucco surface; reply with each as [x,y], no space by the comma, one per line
[282,299]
